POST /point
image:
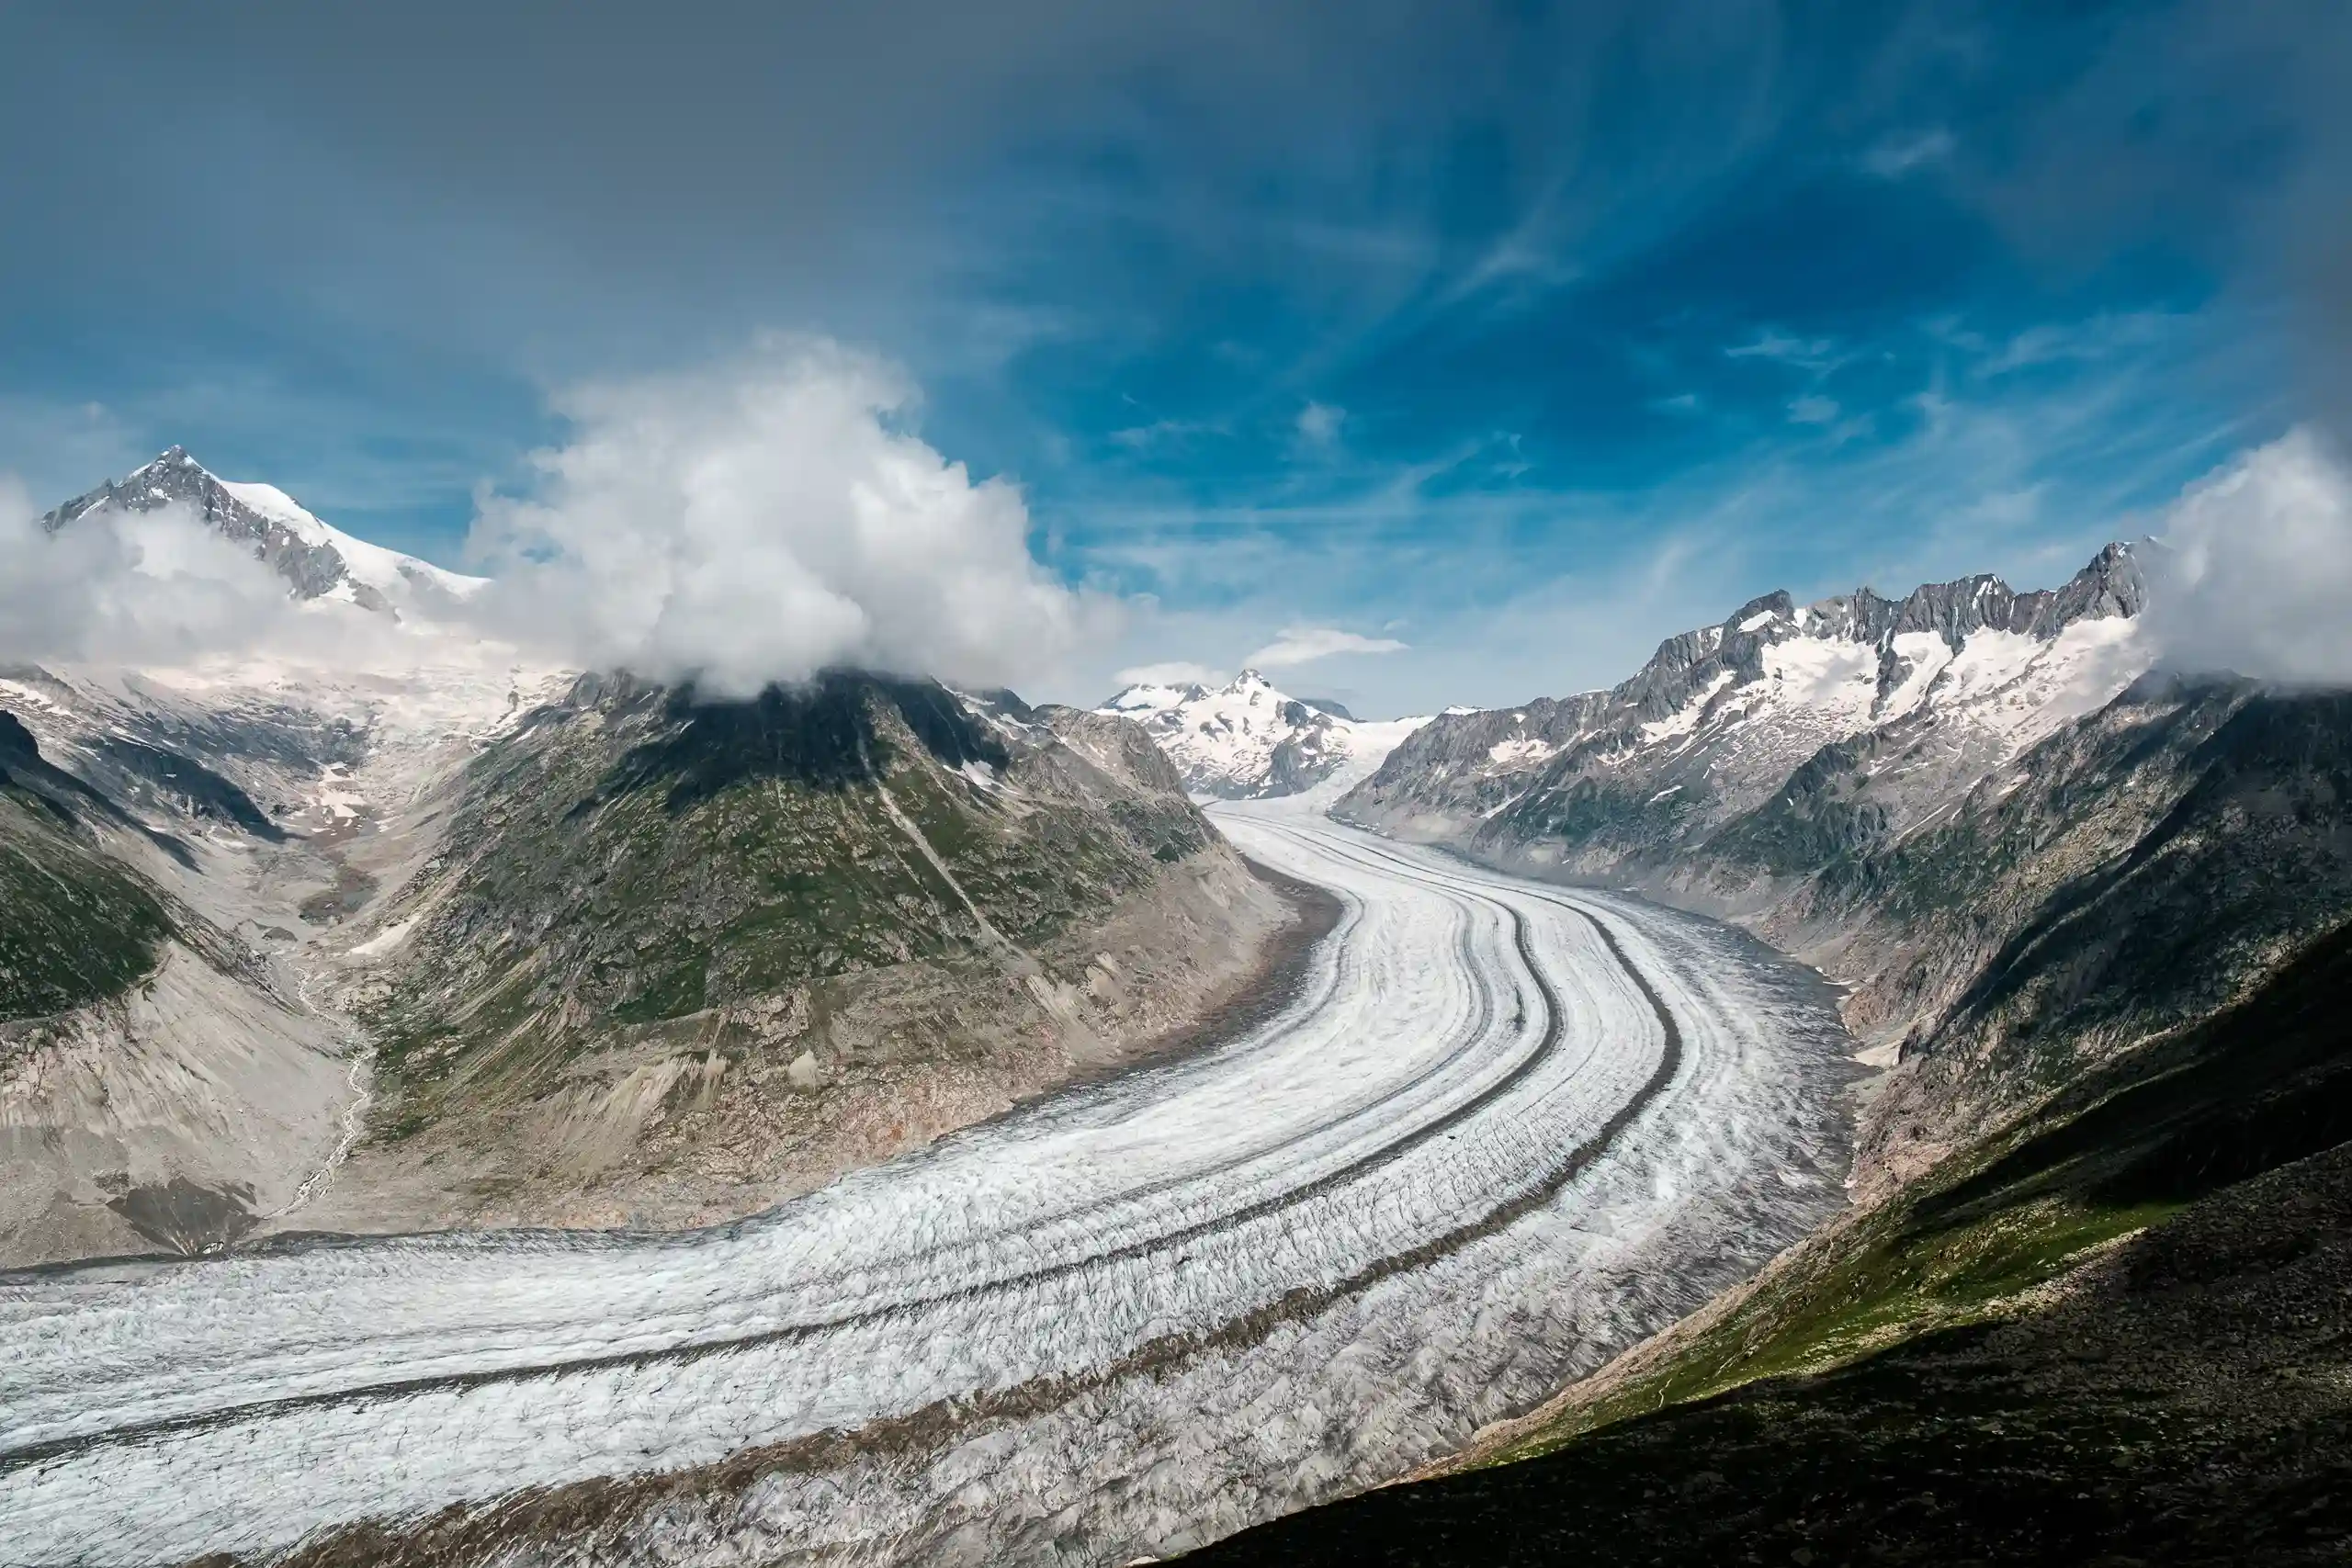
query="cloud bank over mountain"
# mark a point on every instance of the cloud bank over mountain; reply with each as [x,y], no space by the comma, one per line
[749,522]
[2258,574]
[766,518]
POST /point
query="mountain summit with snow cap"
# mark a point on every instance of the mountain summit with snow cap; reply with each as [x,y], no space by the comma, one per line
[317,560]
[1248,740]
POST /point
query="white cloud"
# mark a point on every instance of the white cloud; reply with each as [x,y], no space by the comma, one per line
[1813,409]
[1175,672]
[1304,644]
[1891,160]
[767,518]
[2259,569]
[1319,423]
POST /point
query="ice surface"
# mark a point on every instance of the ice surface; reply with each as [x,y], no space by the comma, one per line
[1501,1130]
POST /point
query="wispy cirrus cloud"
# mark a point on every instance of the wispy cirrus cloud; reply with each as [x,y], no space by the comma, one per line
[1900,155]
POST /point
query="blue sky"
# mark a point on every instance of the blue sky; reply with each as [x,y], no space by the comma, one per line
[1521,336]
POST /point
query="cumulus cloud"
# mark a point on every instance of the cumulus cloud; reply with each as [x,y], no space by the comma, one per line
[2258,572]
[1302,645]
[765,519]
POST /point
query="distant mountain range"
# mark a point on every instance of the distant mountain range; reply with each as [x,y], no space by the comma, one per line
[1891,709]
[1247,740]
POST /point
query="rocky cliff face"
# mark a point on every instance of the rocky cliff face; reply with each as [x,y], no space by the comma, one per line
[2136,873]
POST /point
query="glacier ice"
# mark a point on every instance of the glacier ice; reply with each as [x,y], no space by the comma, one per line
[1502,1130]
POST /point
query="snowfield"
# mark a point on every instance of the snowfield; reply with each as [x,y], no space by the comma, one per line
[1501,1130]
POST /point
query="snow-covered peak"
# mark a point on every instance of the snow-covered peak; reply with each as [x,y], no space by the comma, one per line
[1149,697]
[319,561]
[1248,738]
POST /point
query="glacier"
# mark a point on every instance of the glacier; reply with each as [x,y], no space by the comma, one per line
[1502,1130]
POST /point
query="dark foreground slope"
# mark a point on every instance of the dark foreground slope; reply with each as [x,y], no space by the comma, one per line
[2122,1334]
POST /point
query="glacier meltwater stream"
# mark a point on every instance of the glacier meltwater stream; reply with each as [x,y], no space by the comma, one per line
[1501,1130]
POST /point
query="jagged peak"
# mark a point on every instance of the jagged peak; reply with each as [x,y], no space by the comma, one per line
[171,460]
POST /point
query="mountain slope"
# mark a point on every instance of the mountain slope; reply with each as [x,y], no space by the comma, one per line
[2093,1300]
[1247,740]
[158,1085]
[614,956]
[677,960]
[316,560]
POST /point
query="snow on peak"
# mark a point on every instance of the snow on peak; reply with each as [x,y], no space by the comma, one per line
[1952,680]
[1248,738]
[320,560]
[391,573]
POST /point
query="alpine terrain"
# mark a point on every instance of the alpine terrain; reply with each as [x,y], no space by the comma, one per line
[1246,740]
[870,1121]
[2089,921]
[289,946]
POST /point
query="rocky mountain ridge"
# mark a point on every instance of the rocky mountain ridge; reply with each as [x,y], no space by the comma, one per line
[1927,694]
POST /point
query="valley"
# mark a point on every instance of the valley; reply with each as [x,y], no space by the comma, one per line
[1484,1091]
[1079,785]
[879,1121]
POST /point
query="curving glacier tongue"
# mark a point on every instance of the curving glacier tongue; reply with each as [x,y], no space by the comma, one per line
[1501,1130]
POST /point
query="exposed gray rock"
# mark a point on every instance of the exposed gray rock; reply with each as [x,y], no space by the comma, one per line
[312,570]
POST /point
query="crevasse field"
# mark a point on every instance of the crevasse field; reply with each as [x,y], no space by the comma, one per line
[1502,1130]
